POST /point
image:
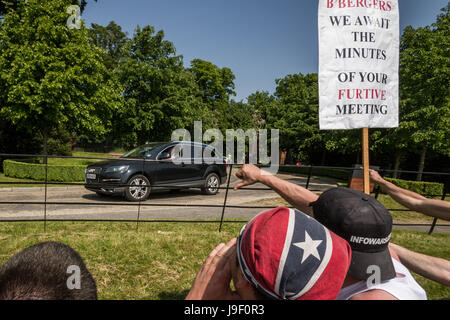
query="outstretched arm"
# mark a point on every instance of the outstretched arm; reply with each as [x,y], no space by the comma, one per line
[433,268]
[296,195]
[431,207]
[391,188]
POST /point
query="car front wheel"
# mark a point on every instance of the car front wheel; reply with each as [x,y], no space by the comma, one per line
[212,184]
[138,188]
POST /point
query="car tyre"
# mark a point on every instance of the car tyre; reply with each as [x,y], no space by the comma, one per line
[138,188]
[212,184]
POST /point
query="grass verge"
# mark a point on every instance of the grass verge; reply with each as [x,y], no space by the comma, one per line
[160,260]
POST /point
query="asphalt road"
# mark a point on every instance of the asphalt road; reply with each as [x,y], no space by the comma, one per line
[79,203]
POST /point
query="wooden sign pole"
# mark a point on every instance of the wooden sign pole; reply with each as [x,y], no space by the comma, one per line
[365,149]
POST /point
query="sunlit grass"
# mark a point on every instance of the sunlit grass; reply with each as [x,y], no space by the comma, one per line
[160,260]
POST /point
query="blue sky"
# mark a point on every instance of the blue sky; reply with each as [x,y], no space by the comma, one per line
[260,40]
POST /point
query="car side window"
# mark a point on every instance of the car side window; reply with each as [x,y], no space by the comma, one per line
[176,151]
[198,152]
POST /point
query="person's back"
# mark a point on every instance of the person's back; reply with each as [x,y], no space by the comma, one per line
[46,271]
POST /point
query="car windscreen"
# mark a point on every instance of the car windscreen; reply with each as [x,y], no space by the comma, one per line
[141,151]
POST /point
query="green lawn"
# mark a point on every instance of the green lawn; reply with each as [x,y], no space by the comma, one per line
[160,260]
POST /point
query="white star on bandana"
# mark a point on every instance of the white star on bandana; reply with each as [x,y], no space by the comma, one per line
[309,247]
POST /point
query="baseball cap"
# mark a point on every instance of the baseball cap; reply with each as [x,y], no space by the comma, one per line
[288,255]
[364,222]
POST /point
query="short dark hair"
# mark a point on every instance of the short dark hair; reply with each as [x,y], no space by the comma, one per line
[42,272]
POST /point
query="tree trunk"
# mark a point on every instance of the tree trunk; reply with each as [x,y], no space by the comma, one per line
[398,157]
[324,156]
[421,163]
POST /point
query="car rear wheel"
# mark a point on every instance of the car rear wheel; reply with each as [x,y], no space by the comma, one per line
[138,189]
[212,184]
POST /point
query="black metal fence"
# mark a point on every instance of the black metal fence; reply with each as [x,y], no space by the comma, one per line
[445,177]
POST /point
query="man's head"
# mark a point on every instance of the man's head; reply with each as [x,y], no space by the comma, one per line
[365,223]
[46,271]
[285,254]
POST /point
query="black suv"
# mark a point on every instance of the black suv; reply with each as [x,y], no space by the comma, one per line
[175,165]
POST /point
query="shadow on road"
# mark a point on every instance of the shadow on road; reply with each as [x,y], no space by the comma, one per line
[154,195]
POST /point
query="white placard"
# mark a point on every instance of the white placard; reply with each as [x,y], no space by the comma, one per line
[358,64]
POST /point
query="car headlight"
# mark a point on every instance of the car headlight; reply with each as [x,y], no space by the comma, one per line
[117,169]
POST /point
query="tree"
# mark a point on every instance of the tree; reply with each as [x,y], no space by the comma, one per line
[160,94]
[394,142]
[217,85]
[240,115]
[6,5]
[111,39]
[260,102]
[424,94]
[51,76]
[295,113]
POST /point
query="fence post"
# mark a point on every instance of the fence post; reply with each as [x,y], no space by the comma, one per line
[377,192]
[139,205]
[309,176]
[225,200]
[444,194]
[45,193]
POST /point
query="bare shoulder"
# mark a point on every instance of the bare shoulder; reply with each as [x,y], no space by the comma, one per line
[375,294]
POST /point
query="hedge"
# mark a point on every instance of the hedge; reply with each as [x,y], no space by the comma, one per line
[56,173]
[420,187]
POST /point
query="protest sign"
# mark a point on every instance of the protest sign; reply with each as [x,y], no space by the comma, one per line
[358,64]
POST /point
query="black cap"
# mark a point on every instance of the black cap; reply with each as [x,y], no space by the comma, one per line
[365,223]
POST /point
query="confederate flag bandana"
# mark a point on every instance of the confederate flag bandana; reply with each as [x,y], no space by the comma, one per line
[288,255]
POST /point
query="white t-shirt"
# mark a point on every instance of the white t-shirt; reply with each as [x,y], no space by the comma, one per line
[403,286]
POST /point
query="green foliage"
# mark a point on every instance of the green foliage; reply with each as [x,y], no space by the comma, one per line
[216,86]
[217,83]
[420,187]
[424,79]
[59,142]
[59,147]
[6,5]
[51,76]
[240,115]
[160,94]
[112,40]
[294,111]
[57,173]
